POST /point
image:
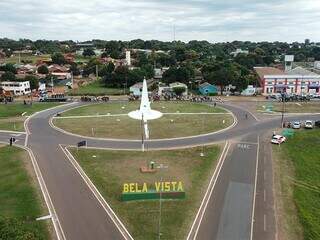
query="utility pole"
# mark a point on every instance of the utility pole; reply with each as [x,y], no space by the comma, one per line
[283,108]
[142,133]
[97,72]
[160,167]
[51,84]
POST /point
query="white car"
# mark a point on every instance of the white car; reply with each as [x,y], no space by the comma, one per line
[296,125]
[278,139]
[308,124]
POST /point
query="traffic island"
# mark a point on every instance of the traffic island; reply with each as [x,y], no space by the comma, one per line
[170,196]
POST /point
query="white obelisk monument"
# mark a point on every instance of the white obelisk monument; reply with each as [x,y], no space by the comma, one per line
[145,112]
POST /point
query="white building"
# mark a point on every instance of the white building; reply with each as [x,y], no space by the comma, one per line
[17,88]
[297,81]
[239,51]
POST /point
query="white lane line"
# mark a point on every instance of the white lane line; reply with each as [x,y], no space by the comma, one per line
[207,196]
[13,132]
[255,190]
[122,229]
[264,195]
[264,222]
[55,220]
[126,114]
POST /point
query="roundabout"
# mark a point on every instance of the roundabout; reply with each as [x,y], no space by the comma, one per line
[111,121]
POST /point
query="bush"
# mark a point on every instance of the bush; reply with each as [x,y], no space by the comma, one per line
[179,90]
[213,94]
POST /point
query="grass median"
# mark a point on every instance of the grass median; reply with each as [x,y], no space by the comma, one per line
[11,114]
[20,200]
[299,191]
[108,170]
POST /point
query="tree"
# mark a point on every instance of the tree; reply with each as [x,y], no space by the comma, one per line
[8,76]
[179,90]
[34,81]
[74,69]
[9,67]
[43,69]
[88,52]
[58,58]
[110,67]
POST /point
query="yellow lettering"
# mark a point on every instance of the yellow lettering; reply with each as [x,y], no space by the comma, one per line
[167,186]
[174,186]
[144,188]
[137,188]
[157,184]
[131,186]
[180,188]
[125,187]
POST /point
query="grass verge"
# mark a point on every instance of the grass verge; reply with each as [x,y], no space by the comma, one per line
[20,203]
[299,190]
[108,170]
[292,107]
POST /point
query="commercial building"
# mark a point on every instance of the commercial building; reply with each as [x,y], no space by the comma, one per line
[295,81]
[16,88]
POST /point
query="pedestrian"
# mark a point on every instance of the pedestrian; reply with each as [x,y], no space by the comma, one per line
[10,141]
[246,115]
[215,104]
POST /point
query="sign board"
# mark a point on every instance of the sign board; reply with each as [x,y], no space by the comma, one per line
[144,191]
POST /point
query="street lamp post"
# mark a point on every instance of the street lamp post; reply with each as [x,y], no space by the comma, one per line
[161,166]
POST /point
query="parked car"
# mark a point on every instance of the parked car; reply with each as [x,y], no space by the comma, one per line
[317,123]
[296,125]
[308,124]
[278,139]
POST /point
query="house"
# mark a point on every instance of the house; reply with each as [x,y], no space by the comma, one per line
[296,81]
[136,89]
[208,89]
[16,88]
[60,72]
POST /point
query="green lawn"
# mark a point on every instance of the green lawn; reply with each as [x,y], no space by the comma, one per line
[302,154]
[26,57]
[168,126]
[20,203]
[12,124]
[16,109]
[96,88]
[126,107]
[110,169]
[292,107]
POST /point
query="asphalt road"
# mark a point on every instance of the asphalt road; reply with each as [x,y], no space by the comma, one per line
[230,208]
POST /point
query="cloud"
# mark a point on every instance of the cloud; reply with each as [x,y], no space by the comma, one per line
[212,20]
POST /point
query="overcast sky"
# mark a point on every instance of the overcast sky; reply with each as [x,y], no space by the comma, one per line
[212,20]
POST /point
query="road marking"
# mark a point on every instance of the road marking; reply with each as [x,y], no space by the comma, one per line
[243,146]
[44,217]
[264,222]
[255,190]
[208,193]
[55,220]
[124,232]
[264,195]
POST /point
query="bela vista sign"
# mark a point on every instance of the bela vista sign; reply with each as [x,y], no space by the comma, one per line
[145,191]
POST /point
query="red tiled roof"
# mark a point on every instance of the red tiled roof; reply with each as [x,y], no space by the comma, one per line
[262,71]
